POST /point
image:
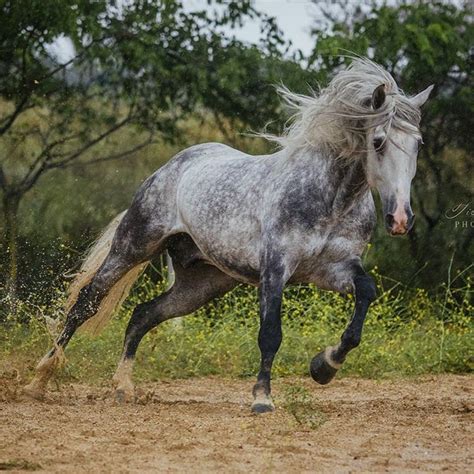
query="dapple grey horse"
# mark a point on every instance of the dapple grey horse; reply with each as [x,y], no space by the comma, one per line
[301,215]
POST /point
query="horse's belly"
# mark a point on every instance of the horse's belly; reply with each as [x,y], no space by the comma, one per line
[227,237]
[232,252]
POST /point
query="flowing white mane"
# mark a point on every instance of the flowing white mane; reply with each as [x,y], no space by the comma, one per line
[340,115]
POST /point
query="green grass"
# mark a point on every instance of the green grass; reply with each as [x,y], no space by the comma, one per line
[407,332]
[299,402]
[20,464]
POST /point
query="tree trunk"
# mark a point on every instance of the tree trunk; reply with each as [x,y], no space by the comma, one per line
[10,211]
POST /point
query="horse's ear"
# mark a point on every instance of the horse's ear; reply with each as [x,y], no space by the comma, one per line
[419,99]
[378,97]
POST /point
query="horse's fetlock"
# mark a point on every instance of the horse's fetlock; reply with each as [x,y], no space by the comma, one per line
[351,341]
[261,388]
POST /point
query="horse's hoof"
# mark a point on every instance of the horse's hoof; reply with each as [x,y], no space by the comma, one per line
[262,408]
[262,404]
[32,391]
[321,371]
[124,396]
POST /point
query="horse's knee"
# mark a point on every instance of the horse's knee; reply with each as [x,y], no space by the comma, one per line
[365,288]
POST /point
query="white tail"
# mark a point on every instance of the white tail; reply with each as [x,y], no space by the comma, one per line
[93,260]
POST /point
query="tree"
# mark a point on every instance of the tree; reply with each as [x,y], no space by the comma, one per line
[142,64]
[420,43]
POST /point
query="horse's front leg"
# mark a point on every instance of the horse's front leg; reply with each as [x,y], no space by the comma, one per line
[325,364]
[272,282]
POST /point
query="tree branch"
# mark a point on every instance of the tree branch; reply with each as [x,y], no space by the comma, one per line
[44,156]
[63,66]
[112,157]
[9,120]
[3,179]
[93,142]
[66,164]
[47,156]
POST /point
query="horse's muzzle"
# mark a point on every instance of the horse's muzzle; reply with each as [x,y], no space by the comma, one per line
[399,224]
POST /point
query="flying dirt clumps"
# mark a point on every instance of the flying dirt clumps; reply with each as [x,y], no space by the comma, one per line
[10,385]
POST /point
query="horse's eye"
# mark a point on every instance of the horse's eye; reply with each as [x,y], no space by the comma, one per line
[378,143]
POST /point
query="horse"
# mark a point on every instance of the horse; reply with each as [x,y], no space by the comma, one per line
[303,214]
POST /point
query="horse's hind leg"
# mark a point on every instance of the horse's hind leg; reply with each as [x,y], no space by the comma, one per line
[89,299]
[194,286]
[121,258]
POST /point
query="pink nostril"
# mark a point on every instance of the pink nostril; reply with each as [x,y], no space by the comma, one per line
[396,225]
[389,220]
[400,220]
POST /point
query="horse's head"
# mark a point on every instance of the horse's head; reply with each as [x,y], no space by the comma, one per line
[391,164]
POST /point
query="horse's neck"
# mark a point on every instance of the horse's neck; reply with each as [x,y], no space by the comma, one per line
[346,181]
[353,185]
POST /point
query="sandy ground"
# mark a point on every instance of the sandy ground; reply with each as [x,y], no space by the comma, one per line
[203,425]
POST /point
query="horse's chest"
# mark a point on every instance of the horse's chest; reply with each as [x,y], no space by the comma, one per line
[326,246]
[329,245]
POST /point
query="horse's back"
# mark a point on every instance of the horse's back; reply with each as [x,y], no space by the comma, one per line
[158,193]
[212,151]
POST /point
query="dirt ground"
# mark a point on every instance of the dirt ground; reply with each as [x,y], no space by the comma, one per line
[205,425]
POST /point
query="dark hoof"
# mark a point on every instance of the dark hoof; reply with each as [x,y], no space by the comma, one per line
[33,392]
[262,408]
[320,370]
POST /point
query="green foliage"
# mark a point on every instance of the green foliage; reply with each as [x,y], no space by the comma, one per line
[407,332]
[19,464]
[147,63]
[299,402]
